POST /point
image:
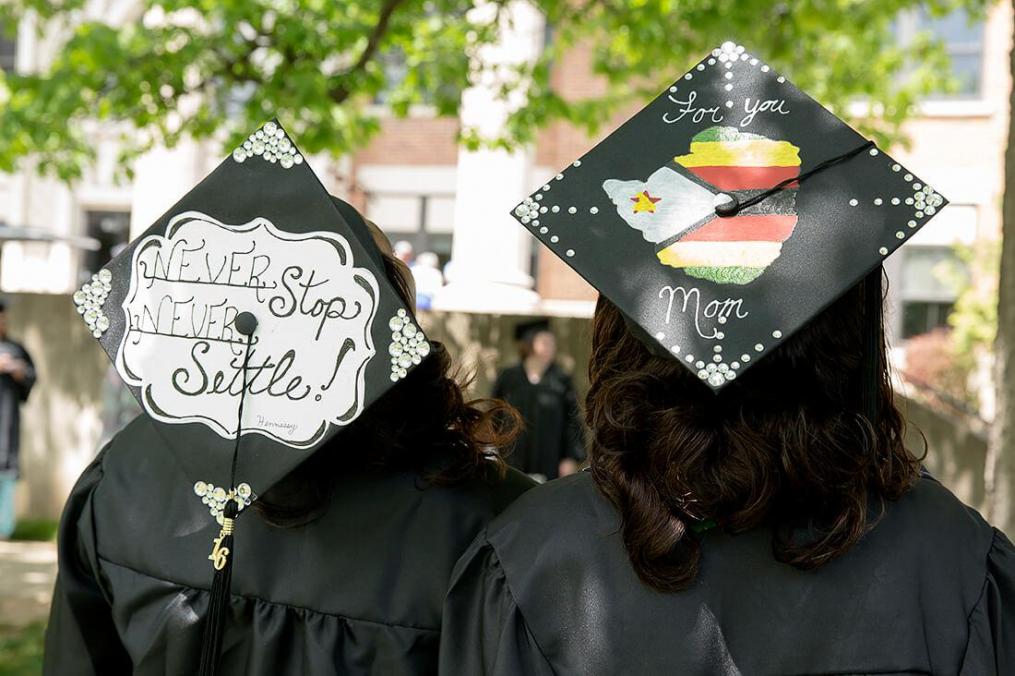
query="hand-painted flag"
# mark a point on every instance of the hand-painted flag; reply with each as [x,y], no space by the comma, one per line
[736,250]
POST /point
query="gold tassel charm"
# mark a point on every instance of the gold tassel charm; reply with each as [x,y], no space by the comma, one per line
[220,554]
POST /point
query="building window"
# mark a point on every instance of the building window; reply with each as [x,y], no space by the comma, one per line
[920,317]
[962,37]
[8,51]
[424,221]
[928,295]
[112,229]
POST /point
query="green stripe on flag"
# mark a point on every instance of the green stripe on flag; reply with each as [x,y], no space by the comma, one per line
[731,274]
[726,134]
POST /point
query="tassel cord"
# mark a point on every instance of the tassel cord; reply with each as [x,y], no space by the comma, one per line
[222,555]
[734,207]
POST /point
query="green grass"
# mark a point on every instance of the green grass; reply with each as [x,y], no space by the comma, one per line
[21,650]
[36,530]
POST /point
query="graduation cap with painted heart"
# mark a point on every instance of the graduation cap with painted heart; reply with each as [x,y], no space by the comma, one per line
[252,321]
[727,213]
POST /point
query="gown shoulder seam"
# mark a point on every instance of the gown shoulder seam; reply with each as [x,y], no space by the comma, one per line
[251,597]
[986,575]
[983,591]
[518,607]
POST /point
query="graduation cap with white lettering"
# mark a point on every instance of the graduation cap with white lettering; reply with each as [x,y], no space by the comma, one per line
[252,321]
[727,213]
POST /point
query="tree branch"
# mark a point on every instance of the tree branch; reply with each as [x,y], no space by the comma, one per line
[340,93]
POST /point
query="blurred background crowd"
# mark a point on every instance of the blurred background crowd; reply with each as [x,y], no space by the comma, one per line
[434,118]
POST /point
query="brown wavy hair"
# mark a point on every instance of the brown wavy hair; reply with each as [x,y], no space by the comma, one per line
[784,446]
[422,425]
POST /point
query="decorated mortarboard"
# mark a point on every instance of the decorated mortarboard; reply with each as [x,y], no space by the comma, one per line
[252,321]
[727,213]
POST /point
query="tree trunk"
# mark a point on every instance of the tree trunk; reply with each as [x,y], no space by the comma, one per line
[1000,469]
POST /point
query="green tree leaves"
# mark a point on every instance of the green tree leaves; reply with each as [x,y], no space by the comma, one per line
[216,68]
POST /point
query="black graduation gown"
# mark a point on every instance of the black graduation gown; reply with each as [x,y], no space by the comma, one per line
[552,431]
[13,393]
[358,591]
[548,589]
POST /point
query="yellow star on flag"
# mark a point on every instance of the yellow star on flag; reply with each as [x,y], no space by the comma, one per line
[644,202]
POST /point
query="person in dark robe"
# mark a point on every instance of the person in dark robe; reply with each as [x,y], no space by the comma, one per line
[344,563]
[750,505]
[765,530]
[551,444]
[17,376]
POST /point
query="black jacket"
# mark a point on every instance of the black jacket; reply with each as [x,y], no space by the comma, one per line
[357,591]
[553,430]
[548,589]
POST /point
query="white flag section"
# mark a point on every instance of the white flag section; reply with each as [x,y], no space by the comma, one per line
[663,206]
[308,355]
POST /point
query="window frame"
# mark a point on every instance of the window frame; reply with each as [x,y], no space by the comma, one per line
[910,23]
[421,237]
[91,259]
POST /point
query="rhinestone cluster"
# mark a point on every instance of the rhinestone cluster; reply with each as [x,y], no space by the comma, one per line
[90,298]
[271,143]
[528,212]
[730,52]
[216,497]
[408,345]
[925,200]
[726,56]
[717,372]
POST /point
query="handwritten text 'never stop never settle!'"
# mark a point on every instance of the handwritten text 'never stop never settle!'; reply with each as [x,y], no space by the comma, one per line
[206,315]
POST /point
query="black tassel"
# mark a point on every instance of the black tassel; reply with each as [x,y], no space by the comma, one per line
[222,553]
[871,369]
[219,604]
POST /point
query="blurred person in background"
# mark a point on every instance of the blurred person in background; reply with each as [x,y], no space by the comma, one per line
[17,376]
[551,445]
[429,280]
[449,271]
[403,251]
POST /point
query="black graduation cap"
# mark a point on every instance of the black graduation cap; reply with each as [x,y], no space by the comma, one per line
[527,329]
[252,321]
[727,213]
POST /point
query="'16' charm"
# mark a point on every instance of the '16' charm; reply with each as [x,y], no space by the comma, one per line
[219,554]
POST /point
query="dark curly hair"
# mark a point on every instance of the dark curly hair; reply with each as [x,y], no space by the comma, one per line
[786,445]
[422,425]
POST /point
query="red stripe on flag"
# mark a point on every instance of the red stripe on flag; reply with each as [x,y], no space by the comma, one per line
[745,178]
[767,228]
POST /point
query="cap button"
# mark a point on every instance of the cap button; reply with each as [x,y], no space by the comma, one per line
[725,205]
[245,323]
